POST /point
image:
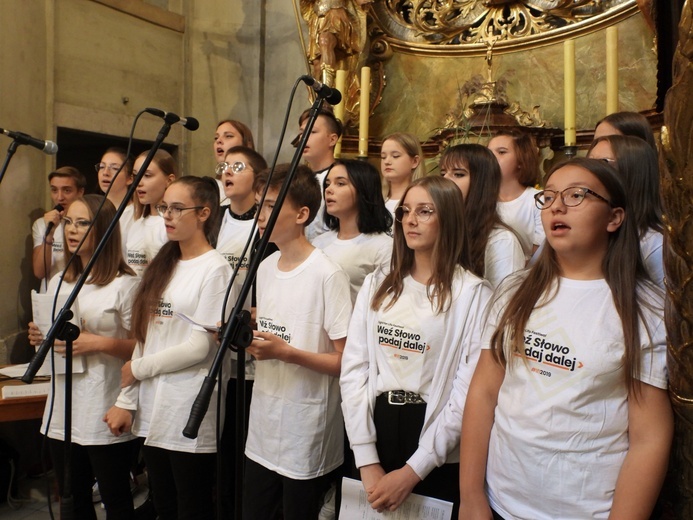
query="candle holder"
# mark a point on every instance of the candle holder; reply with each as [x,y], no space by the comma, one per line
[570,150]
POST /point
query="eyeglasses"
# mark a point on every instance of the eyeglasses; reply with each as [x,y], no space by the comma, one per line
[174,211]
[113,168]
[422,213]
[80,224]
[571,197]
[235,168]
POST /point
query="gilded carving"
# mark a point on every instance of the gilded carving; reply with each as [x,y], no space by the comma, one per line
[462,26]
[677,192]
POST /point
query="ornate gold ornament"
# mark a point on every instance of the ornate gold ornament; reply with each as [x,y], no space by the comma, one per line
[456,27]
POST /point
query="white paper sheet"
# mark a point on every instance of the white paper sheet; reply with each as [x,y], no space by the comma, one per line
[355,506]
[42,306]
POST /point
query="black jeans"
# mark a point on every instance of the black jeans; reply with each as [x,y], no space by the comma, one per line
[182,484]
[110,464]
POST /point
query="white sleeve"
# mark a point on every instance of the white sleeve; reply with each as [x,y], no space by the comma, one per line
[354,380]
[443,435]
[504,256]
[383,257]
[38,229]
[129,396]
[539,233]
[192,351]
[337,300]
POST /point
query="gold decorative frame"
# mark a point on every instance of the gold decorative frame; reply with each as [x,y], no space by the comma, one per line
[456,27]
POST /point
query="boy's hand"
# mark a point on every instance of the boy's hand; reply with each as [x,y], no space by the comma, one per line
[266,345]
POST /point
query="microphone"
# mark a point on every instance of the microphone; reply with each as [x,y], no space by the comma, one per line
[51,225]
[329,94]
[188,122]
[48,147]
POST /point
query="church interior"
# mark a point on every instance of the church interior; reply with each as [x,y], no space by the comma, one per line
[77,72]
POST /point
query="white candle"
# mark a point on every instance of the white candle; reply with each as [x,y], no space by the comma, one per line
[364,112]
[611,70]
[340,84]
[569,91]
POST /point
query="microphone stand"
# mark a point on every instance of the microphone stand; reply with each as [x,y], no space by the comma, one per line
[10,152]
[70,332]
[237,334]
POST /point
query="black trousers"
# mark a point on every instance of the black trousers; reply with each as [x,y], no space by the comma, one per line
[398,430]
[110,464]
[228,447]
[182,484]
[267,495]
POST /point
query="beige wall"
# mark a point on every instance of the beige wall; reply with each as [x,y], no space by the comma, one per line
[85,65]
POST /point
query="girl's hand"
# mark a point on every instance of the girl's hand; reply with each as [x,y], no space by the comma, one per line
[35,335]
[266,345]
[370,476]
[127,378]
[393,489]
[119,420]
[86,343]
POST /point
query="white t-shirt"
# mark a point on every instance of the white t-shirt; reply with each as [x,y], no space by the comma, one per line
[233,236]
[524,217]
[410,340]
[358,256]
[126,220]
[104,311]
[317,227]
[560,434]
[38,230]
[145,237]
[296,427]
[410,347]
[164,401]
[651,248]
[503,255]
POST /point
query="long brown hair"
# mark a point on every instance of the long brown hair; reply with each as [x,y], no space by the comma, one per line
[623,270]
[631,123]
[449,251]
[637,162]
[167,164]
[481,213]
[110,263]
[204,192]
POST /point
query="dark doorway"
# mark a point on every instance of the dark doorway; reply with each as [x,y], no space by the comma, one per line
[84,149]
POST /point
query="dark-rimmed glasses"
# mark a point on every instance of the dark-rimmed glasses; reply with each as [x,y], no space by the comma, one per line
[174,211]
[571,197]
[422,213]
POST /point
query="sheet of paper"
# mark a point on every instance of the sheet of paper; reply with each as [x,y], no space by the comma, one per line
[208,328]
[42,306]
[355,506]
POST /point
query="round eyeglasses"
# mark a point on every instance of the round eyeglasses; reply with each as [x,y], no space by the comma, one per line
[174,211]
[422,213]
[235,168]
[571,197]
